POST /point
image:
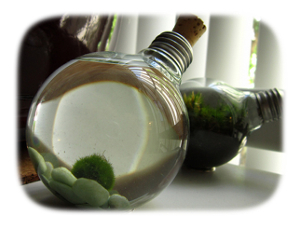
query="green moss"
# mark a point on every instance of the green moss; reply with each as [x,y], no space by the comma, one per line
[97,168]
[216,119]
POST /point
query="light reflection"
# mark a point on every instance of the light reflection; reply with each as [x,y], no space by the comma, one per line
[170,103]
[230,92]
[37,112]
[155,87]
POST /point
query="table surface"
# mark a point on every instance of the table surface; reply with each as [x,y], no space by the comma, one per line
[228,187]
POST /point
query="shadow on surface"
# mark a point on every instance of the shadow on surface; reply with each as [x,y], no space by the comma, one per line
[230,187]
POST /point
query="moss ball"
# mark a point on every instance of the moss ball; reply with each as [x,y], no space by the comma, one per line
[97,168]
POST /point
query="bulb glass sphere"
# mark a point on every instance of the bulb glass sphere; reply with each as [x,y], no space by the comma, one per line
[116,106]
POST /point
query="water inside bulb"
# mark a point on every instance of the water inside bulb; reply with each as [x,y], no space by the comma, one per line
[132,115]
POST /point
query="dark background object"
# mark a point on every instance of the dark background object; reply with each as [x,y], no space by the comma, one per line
[46,46]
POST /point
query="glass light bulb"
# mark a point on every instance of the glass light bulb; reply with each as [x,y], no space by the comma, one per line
[126,110]
[221,118]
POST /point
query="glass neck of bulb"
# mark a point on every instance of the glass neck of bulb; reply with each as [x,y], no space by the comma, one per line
[270,104]
[170,51]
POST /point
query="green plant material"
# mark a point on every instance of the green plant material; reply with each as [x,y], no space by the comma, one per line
[90,191]
[97,168]
[37,159]
[50,157]
[46,178]
[42,167]
[216,119]
[45,181]
[47,172]
[66,192]
[63,175]
[118,202]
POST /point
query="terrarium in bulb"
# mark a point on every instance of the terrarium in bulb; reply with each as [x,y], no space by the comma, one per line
[221,119]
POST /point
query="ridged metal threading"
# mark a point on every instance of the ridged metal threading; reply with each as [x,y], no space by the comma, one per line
[270,103]
[176,47]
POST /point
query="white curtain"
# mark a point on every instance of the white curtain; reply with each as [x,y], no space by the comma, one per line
[229,48]
[223,52]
